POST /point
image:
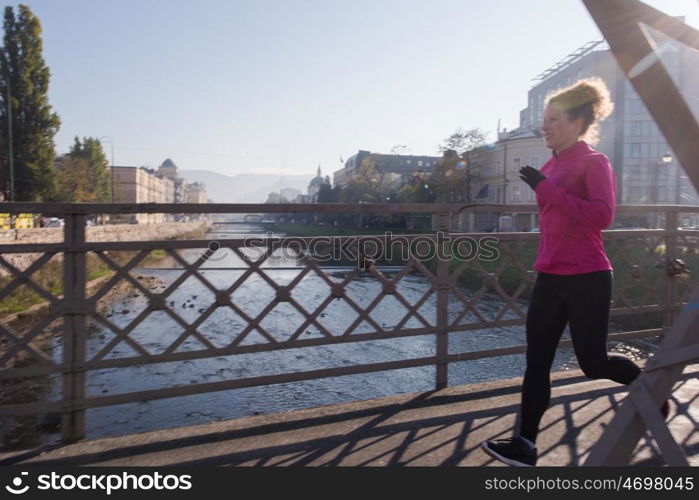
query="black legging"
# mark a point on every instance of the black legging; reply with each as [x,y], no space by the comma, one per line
[583,300]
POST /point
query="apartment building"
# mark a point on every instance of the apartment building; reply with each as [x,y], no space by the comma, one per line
[629,137]
[395,167]
[142,185]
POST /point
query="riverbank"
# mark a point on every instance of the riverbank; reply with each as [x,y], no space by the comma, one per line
[309,230]
[50,275]
[636,275]
[25,308]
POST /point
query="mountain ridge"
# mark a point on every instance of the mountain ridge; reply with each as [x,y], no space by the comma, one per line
[245,187]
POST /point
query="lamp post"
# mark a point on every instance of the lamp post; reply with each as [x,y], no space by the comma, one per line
[111,146]
[9,126]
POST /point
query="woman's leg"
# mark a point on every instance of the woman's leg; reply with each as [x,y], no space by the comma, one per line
[546,319]
[589,304]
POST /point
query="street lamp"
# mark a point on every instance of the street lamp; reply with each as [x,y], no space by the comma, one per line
[9,126]
[111,145]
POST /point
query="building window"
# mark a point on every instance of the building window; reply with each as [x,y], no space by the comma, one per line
[635,173]
[635,193]
[636,128]
[635,150]
[516,193]
[534,161]
[515,164]
[419,163]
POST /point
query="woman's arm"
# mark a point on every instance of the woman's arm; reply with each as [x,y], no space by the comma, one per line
[600,183]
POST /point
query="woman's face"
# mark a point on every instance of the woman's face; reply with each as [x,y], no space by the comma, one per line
[558,130]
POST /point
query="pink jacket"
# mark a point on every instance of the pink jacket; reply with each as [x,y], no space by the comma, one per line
[576,201]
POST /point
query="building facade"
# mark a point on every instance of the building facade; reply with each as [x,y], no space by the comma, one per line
[169,169]
[314,187]
[397,167]
[142,185]
[195,193]
[628,137]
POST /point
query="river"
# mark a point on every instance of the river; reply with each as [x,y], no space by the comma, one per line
[191,298]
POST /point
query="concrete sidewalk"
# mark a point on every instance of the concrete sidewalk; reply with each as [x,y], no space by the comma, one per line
[439,428]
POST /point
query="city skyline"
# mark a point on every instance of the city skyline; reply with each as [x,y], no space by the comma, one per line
[280,87]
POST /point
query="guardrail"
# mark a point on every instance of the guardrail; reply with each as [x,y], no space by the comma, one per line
[648,279]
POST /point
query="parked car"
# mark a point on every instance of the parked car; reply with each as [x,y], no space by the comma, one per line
[535,230]
[54,222]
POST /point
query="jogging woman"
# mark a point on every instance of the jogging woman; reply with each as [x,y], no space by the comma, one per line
[576,195]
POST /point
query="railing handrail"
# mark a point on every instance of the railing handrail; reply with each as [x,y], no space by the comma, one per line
[76,307]
[211,208]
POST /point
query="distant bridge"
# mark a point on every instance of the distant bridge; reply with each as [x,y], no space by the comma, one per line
[248,219]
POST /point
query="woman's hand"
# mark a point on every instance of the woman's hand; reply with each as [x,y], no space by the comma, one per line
[531,176]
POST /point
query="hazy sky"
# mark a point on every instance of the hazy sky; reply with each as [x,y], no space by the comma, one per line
[269,85]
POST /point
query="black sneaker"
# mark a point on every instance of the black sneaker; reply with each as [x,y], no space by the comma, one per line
[512,451]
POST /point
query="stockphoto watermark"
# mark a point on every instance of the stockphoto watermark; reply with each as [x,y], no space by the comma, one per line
[387,247]
[96,482]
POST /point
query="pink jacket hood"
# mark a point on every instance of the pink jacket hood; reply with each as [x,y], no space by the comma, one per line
[576,201]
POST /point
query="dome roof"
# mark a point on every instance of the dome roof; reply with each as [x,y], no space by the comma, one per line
[317,181]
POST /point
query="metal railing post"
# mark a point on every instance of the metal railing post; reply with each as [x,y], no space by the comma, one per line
[671,223]
[442,332]
[74,329]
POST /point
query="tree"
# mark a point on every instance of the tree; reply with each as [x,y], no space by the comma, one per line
[462,141]
[97,172]
[469,146]
[400,149]
[327,193]
[449,178]
[364,186]
[275,197]
[73,180]
[417,190]
[24,77]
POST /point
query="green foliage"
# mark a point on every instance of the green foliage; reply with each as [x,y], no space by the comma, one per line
[448,178]
[327,193]
[417,189]
[25,77]
[84,175]
[464,157]
[276,198]
[50,277]
[364,186]
[73,181]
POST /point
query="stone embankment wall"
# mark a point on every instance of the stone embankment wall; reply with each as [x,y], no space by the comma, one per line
[116,232]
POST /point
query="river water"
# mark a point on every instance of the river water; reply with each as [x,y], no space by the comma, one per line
[191,298]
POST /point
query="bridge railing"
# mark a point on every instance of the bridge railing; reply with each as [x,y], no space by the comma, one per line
[475,281]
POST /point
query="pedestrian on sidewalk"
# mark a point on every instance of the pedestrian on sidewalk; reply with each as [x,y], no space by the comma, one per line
[576,194]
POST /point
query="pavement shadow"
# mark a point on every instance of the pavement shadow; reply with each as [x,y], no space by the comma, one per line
[382,439]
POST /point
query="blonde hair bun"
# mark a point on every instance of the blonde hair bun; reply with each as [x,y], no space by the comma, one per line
[588,99]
